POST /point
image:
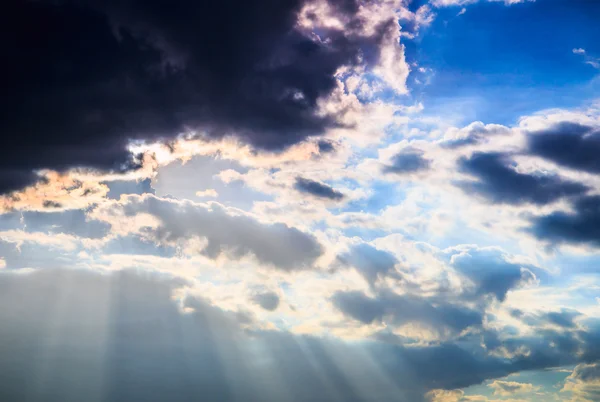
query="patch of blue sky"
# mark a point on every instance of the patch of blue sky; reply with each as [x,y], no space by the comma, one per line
[578,263]
[383,194]
[496,63]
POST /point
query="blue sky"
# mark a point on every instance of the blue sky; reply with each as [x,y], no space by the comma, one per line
[315,200]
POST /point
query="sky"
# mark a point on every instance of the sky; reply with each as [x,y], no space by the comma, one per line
[300,200]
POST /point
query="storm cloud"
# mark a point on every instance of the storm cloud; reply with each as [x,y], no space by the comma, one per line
[83,78]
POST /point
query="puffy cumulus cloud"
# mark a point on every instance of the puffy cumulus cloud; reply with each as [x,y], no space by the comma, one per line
[317,189]
[490,270]
[210,229]
[508,388]
[499,181]
[392,66]
[473,134]
[370,262]
[584,383]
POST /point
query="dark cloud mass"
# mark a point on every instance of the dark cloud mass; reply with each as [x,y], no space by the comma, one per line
[317,189]
[568,144]
[81,78]
[409,160]
[500,182]
[579,227]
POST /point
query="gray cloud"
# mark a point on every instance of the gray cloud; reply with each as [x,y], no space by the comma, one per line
[409,160]
[491,273]
[236,235]
[568,144]
[499,182]
[152,75]
[564,318]
[267,300]
[317,189]
[579,227]
[398,310]
[370,261]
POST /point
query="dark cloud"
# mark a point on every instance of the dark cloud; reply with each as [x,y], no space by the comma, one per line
[409,160]
[325,146]
[500,182]
[580,227]
[82,78]
[568,144]
[12,179]
[267,300]
[317,189]
[235,235]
